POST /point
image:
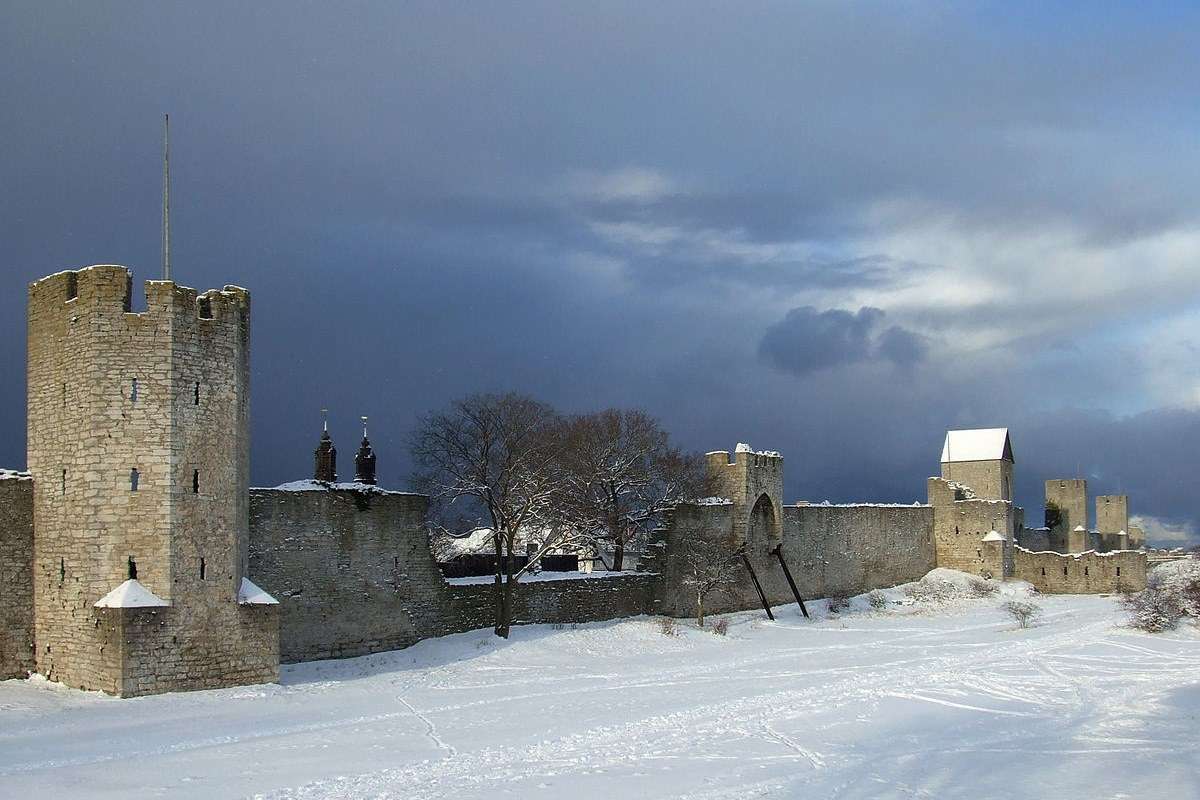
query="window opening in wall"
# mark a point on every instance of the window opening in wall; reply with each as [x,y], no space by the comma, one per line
[62,570]
[979,554]
[1064,570]
[64,395]
[195,481]
[196,394]
[1043,571]
[205,305]
[1085,571]
[133,391]
[202,569]
[134,476]
[1118,572]
[72,286]
[132,569]
[64,482]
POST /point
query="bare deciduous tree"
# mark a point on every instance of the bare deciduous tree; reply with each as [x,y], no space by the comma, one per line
[1025,613]
[493,460]
[709,568]
[622,474]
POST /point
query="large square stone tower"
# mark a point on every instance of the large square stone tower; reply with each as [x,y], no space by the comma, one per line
[139,449]
[1066,513]
[982,459]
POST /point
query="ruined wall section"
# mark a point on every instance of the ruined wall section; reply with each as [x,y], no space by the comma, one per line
[1081,573]
[960,523]
[16,575]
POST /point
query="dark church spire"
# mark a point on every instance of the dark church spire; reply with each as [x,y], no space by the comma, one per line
[326,454]
[364,461]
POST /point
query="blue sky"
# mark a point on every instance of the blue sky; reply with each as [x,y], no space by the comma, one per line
[830,229]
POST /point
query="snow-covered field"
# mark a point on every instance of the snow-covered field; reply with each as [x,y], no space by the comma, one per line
[926,701]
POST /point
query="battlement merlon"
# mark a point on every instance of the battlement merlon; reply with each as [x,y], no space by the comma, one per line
[107,289]
[745,456]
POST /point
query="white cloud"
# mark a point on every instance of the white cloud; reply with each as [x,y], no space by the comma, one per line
[1164,533]
[630,184]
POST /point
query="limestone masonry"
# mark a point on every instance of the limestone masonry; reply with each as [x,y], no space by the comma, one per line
[135,559]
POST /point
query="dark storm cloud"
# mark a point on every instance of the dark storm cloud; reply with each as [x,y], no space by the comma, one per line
[605,204]
[808,340]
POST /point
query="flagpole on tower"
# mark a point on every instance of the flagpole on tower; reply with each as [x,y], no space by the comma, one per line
[166,199]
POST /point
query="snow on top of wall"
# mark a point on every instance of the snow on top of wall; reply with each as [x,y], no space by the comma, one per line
[251,595]
[742,447]
[310,485]
[713,501]
[131,594]
[982,444]
[1076,556]
[14,475]
[828,504]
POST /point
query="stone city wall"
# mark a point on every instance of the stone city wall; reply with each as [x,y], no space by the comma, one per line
[1082,573]
[16,575]
[354,574]
[829,549]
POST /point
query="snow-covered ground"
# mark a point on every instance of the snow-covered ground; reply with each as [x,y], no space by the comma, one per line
[920,701]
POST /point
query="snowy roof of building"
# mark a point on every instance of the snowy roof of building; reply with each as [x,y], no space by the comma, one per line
[993,536]
[131,594]
[980,444]
[249,594]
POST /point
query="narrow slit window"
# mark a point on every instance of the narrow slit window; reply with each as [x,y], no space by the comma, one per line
[132,569]
[1085,571]
[1064,570]
[1043,571]
[64,395]
[196,394]
[134,477]
[195,481]
[205,305]
[1118,572]
[203,569]
[62,570]
[64,482]
[133,391]
[72,286]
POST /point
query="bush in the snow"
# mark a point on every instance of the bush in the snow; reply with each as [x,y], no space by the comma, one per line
[877,600]
[931,591]
[838,603]
[1153,610]
[721,626]
[1172,592]
[982,587]
[1024,612]
[667,626]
